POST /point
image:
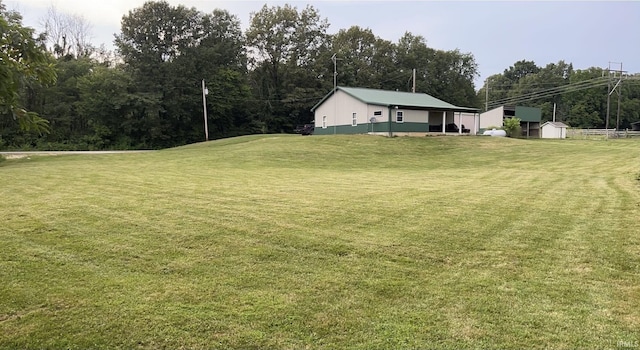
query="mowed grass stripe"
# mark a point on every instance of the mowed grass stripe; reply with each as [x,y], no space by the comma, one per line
[324,242]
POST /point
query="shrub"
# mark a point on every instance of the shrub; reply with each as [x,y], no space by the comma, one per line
[512,127]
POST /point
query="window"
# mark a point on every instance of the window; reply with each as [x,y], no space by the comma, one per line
[324,121]
[399,117]
[354,120]
[377,113]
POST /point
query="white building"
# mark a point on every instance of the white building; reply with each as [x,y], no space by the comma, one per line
[530,118]
[391,113]
[554,130]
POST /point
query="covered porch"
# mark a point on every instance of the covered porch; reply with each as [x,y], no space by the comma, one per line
[453,122]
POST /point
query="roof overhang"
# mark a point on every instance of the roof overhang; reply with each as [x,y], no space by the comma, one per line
[421,108]
[398,106]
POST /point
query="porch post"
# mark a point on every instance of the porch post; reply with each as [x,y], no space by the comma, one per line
[444,122]
[476,124]
[390,110]
[428,125]
[460,122]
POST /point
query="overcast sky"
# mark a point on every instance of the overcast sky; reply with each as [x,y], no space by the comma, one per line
[497,33]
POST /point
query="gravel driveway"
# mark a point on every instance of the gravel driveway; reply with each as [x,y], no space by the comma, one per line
[15,155]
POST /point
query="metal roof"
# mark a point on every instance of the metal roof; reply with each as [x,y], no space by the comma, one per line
[556,124]
[396,98]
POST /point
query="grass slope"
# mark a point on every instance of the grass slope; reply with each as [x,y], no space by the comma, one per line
[325,242]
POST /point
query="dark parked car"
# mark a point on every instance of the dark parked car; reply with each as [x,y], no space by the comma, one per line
[306,129]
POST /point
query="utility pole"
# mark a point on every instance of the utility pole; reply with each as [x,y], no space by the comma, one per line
[335,70]
[335,85]
[619,97]
[617,88]
[486,96]
[414,81]
[606,123]
[205,92]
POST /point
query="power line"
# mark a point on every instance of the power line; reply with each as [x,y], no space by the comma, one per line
[516,99]
[632,79]
[566,86]
[527,85]
[551,92]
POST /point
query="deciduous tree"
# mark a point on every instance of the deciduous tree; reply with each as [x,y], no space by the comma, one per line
[285,46]
[23,60]
[67,34]
[169,50]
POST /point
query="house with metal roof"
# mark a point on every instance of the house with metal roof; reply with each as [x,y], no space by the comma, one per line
[347,110]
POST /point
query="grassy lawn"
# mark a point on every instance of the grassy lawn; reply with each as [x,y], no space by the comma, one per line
[317,242]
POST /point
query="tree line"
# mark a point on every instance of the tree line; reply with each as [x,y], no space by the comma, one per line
[579,97]
[59,92]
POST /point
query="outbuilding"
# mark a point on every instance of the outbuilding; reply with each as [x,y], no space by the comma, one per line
[347,110]
[554,130]
[530,118]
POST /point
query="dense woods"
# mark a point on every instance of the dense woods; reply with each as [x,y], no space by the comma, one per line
[63,93]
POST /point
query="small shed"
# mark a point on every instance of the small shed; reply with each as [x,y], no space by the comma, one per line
[554,130]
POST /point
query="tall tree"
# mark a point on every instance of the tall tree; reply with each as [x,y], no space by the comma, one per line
[59,102]
[498,89]
[520,70]
[367,60]
[500,85]
[412,53]
[586,107]
[451,77]
[168,51]
[447,75]
[533,86]
[113,109]
[23,59]
[285,45]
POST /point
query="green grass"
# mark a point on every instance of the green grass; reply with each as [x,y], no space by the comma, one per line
[320,242]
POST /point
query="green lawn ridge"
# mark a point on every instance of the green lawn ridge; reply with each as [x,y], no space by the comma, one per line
[325,242]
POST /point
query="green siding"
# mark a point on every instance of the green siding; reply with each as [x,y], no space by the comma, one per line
[528,114]
[346,129]
[377,128]
[410,127]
